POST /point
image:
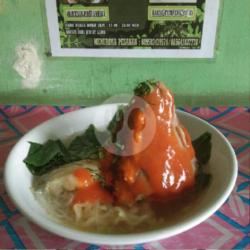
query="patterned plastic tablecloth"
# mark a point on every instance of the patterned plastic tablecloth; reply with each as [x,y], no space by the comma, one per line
[228,228]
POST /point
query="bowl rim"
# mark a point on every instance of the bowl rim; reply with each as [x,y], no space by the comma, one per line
[130,238]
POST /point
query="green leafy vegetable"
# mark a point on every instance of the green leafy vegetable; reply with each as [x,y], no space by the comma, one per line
[202,146]
[43,158]
[116,122]
[85,146]
[145,88]
[202,180]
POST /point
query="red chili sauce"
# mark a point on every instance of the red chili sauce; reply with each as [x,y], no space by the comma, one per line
[165,167]
[161,170]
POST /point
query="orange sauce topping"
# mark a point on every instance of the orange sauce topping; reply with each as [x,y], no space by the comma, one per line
[167,162]
[94,193]
[161,170]
[84,177]
[89,190]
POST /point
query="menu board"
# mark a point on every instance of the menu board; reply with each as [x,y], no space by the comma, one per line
[133,28]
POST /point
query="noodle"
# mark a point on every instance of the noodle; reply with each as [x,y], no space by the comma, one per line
[95,217]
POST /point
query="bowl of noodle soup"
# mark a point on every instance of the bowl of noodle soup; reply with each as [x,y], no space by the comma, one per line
[103,224]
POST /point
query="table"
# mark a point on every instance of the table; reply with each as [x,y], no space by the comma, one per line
[228,228]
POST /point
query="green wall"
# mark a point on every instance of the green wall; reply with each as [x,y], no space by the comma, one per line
[224,80]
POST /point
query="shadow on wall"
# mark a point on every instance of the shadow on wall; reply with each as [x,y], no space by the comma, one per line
[1,6]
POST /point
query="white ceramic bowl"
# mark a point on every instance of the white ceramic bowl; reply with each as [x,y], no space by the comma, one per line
[223,167]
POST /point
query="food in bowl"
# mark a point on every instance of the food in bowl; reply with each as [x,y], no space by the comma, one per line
[138,174]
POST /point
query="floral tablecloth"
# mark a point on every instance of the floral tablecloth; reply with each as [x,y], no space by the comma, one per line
[228,228]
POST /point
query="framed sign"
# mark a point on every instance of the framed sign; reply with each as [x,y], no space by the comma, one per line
[133,28]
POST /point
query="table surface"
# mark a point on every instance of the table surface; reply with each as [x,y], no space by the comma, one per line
[228,228]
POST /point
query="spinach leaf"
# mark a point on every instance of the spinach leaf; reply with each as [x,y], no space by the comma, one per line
[44,157]
[202,146]
[145,88]
[85,146]
[202,179]
[116,123]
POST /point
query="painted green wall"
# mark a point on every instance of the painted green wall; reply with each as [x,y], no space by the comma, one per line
[224,80]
